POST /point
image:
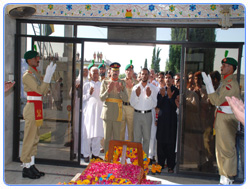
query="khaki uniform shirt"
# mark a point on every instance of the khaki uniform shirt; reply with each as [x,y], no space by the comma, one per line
[228,87]
[32,81]
[129,91]
[110,110]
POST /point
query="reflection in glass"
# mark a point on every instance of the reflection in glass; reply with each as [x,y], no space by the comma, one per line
[198,141]
[56,140]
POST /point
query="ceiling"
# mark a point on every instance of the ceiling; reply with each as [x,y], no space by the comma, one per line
[143,13]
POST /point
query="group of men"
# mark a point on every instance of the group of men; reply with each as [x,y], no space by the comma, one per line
[132,104]
[111,104]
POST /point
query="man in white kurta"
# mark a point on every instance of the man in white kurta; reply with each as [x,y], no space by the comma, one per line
[92,124]
[143,100]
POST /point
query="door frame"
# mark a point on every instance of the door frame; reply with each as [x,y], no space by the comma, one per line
[74,40]
[235,45]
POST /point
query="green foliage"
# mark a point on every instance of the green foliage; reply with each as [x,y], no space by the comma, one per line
[121,76]
[156,60]
[146,63]
[196,35]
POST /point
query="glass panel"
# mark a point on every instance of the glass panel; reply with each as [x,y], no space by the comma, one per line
[202,34]
[57,30]
[226,35]
[163,34]
[56,139]
[198,142]
[92,32]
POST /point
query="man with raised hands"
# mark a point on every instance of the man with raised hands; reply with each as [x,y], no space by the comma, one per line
[225,122]
[35,87]
[113,93]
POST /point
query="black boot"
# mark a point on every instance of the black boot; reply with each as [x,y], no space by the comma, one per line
[36,171]
[27,172]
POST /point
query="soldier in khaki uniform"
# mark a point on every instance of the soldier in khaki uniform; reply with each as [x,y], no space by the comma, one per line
[225,121]
[33,112]
[128,109]
[113,93]
[102,71]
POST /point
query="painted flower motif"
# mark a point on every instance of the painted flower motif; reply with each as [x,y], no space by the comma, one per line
[192,7]
[106,7]
[151,7]
[68,7]
[42,11]
[50,7]
[213,7]
[235,7]
[138,13]
[88,7]
[172,8]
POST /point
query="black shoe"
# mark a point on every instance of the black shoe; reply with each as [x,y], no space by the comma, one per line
[86,159]
[67,144]
[102,150]
[170,170]
[96,157]
[27,172]
[36,171]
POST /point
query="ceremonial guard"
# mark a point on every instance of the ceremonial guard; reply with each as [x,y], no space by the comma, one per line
[128,109]
[102,71]
[89,67]
[225,122]
[33,112]
[113,93]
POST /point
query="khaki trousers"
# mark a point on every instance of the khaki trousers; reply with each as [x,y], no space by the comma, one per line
[128,120]
[31,134]
[226,128]
[112,129]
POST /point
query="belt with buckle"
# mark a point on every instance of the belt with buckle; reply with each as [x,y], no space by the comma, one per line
[126,103]
[143,111]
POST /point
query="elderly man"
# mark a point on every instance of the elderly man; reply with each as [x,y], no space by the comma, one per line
[225,121]
[113,93]
[92,128]
[143,99]
[128,109]
[33,112]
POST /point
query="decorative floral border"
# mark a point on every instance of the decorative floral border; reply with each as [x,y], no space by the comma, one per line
[138,11]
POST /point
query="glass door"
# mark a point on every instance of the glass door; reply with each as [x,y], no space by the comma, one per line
[59,133]
[197,142]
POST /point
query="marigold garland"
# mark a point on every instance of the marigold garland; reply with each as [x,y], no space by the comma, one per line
[131,155]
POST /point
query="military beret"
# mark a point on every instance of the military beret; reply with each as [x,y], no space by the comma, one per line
[30,55]
[102,65]
[129,65]
[229,60]
[91,65]
[115,66]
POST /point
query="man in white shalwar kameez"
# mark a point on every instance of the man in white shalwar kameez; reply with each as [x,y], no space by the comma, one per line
[92,124]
